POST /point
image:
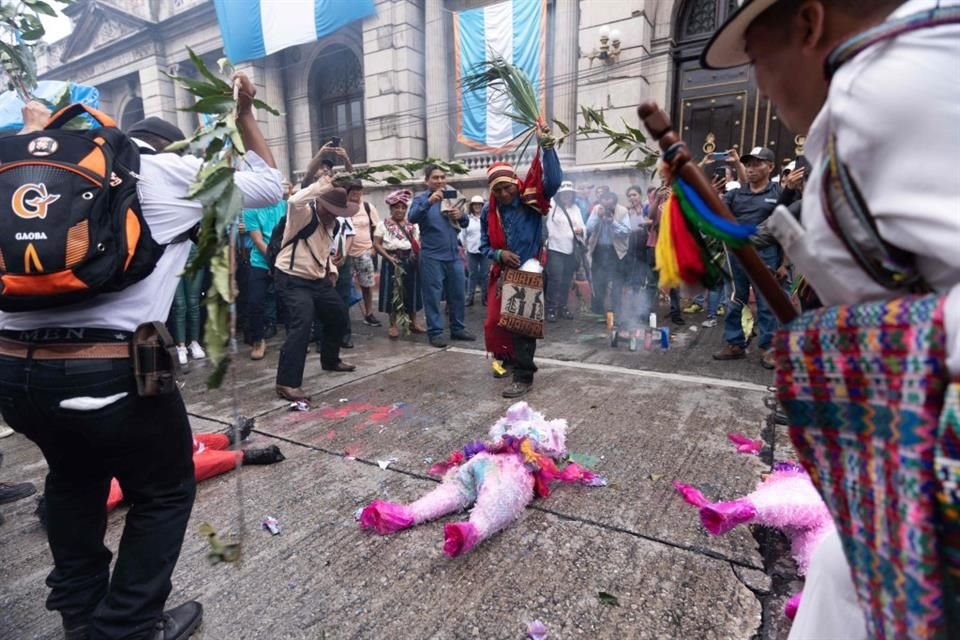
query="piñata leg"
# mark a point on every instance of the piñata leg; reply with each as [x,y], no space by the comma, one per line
[505,489]
[455,493]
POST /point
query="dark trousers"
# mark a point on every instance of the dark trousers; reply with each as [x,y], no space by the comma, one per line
[258,300]
[607,274]
[439,278]
[243,293]
[345,289]
[560,269]
[524,349]
[143,442]
[307,301]
[478,269]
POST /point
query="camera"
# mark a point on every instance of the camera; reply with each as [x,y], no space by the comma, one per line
[336,141]
[449,194]
[722,156]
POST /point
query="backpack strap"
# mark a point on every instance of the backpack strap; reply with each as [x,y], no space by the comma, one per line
[846,51]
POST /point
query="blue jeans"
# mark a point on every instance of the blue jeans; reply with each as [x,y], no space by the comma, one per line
[437,278]
[477,269]
[714,298]
[766,320]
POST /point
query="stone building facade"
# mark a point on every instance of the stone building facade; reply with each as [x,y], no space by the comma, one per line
[386,84]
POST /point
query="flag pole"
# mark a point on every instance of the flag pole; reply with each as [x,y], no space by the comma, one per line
[677,156]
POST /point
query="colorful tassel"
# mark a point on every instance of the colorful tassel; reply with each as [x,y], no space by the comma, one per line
[666,253]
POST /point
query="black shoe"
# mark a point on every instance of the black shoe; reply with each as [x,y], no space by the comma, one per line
[244,426]
[371,321]
[463,336]
[341,367]
[14,492]
[551,316]
[346,343]
[269,455]
[269,331]
[438,342]
[179,623]
[566,315]
[677,319]
[780,417]
[516,390]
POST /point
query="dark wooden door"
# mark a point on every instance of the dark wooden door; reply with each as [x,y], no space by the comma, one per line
[719,110]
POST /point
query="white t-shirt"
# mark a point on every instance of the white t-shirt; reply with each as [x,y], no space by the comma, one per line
[559,233]
[164,181]
[899,140]
[470,234]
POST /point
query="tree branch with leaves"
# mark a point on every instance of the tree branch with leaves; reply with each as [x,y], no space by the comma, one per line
[630,141]
[220,144]
[21,31]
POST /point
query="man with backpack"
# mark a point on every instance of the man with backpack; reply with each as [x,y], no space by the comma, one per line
[306,278]
[86,365]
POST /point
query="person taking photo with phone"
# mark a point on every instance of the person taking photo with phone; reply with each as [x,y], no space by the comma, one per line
[441,269]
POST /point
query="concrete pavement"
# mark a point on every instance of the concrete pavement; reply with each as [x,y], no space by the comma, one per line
[646,418]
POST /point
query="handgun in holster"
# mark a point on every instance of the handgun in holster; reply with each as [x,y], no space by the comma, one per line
[155,363]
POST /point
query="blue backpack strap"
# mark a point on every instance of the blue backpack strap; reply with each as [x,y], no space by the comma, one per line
[936,17]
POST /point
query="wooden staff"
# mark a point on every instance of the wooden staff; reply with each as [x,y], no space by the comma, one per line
[678,157]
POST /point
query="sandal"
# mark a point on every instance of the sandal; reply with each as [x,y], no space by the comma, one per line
[393,333]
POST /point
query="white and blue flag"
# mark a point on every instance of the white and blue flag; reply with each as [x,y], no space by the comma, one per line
[253,29]
[514,30]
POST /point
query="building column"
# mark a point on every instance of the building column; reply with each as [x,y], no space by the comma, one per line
[158,93]
[437,55]
[565,51]
[186,120]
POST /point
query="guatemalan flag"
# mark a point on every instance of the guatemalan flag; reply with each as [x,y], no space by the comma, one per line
[515,30]
[254,29]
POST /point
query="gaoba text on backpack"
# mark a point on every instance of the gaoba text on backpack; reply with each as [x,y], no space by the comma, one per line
[70,221]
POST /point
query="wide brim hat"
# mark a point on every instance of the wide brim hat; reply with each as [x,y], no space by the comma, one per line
[477,200]
[334,201]
[727,46]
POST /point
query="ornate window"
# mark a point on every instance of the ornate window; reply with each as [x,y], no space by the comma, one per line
[336,99]
[132,113]
[700,18]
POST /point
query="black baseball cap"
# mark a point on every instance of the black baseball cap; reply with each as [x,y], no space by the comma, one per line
[759,153]
[157,127]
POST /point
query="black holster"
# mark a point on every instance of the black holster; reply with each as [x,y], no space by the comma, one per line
[155,363]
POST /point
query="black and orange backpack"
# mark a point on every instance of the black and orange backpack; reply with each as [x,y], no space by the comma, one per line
[70,219]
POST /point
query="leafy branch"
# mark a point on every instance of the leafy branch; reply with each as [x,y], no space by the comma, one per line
[505,79]
[629,142]
[20,32]
[400,173]
[219,143]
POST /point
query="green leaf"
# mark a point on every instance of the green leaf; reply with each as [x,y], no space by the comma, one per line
[260,104]
[199,88]
[41,7]
[212,104]
[209,75]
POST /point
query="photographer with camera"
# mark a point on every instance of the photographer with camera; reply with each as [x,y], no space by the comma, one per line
[608,239]
[441,269]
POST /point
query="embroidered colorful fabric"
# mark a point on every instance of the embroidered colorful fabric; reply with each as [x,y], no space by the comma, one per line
[864,387]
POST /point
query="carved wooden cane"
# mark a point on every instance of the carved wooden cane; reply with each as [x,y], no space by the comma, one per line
[676,154]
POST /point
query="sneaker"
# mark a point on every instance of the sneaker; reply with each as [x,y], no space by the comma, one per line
[721,311]
[709,323]
[14,492]
[677,319]
[371,321]
[463,336]
[566,315]
[196,351]
[346,343]
[259,350]
[5,431]
[516,390]
[438,342]
[769,360]
[730,352]
[551,316]
[500,369]
[182,355]
[268,455]
[693,308]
